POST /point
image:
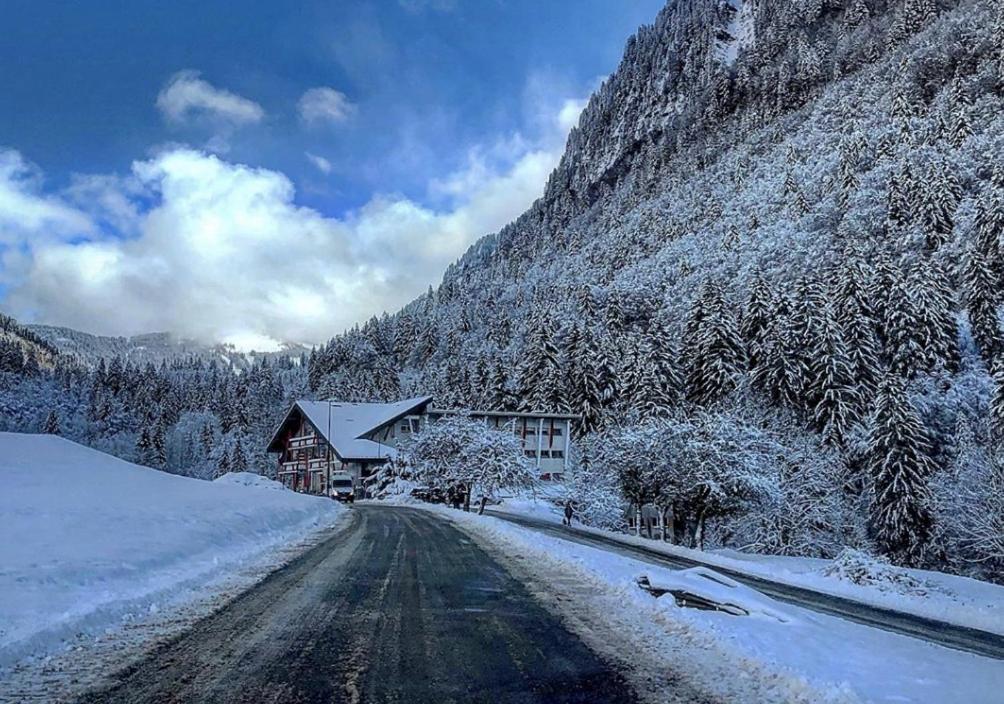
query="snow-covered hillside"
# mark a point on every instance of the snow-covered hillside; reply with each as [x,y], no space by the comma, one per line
[89,540]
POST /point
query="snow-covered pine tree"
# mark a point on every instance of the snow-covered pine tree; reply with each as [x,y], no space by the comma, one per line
[643,391]
[898,198]
[900,466]
[936,320]
[959,123]
[997,400]
[144,445]
[207,438]
[939,201]
[537,376]
[905,339]
[982,302]
[51,426]
[780,373]
[223,466]
[836,411]
[666,358]
[807,325]
[238,460]
[718,356]
[158,444]
[756,320]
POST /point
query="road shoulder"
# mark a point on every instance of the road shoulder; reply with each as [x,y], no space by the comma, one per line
[88,662]
[810,658]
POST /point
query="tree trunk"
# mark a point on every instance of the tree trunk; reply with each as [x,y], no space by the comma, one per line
[467,499]
[699,531]
[637,520]
[679,525]
[481,508]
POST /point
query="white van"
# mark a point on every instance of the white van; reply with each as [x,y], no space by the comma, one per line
[342,487]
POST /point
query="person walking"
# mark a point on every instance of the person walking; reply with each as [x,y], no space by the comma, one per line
[569,512]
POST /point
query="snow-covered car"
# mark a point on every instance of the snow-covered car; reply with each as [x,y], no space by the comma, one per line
[342,488]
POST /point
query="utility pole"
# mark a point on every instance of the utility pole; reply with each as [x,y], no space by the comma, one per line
[327,451]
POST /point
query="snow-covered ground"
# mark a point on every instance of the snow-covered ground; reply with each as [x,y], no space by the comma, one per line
[778,653]
[950,598]
[91,542]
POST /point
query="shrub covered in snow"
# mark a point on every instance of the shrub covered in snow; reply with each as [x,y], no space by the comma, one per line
[866,570]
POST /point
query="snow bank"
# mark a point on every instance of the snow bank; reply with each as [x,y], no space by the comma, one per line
[944,597]
[250,479]
[809,657]
[719,589]
[90,540]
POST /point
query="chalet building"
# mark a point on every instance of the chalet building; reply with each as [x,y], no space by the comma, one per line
[317,439]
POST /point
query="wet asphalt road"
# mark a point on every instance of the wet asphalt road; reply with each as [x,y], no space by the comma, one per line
[399,606]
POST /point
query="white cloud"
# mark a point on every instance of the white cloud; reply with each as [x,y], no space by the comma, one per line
[186,96]
[217,250]
[322,164]
[325,105]
[25,213]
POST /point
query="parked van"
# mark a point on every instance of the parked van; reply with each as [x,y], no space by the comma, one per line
[342,488]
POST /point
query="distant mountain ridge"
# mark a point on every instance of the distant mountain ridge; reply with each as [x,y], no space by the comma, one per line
[153,348]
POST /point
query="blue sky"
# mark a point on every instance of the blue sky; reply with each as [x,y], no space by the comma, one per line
[363,126]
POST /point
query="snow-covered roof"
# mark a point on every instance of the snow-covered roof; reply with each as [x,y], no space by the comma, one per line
[343,425]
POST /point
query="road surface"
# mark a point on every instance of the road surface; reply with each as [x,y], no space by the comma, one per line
[399,606]
[959,637]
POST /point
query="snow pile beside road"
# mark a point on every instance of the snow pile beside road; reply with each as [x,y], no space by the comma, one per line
[943,597]
[810,657]
[90,540]
[866,570]
[250,479]
[719,590]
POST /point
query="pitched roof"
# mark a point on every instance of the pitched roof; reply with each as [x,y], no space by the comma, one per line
[348,422]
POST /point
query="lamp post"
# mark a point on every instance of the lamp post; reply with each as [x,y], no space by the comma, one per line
[327,452]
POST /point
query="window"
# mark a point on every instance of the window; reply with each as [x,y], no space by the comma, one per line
[556,432]
[531,431]
[545,454]
[557,454]
[405,427]
[530,453]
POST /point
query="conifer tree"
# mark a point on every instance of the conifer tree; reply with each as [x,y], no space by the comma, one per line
[206,439]
[997,401]
[238,460]
[807,326]
[666,360]
[900,465]
[144,454]
[836,409]
[905,339]
[717,356]
[158,444]
[538,377]
[982,302]
[935,315]
[756,320]
[223,466]
[779,373]
[51,426]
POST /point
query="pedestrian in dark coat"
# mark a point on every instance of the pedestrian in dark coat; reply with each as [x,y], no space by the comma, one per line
[569,511]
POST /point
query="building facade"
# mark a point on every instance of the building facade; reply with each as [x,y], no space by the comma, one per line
[318,439]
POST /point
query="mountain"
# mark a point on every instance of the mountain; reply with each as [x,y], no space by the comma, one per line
[775,221]
[767,275]
[22,350]
[153,348]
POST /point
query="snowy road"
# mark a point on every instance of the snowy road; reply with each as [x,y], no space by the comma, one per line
[966,639]
[398,607]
